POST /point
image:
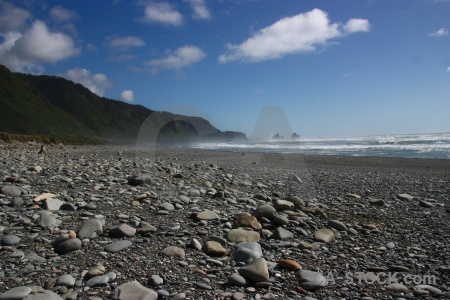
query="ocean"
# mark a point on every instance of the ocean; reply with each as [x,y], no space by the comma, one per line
[435,146]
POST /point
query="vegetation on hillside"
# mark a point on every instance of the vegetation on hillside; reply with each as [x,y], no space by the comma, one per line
[52,106]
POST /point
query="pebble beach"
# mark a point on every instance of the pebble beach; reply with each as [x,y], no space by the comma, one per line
[111,222]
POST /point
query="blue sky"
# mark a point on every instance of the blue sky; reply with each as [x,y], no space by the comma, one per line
[336,68]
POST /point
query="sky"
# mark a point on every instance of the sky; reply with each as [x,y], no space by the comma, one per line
[333,68]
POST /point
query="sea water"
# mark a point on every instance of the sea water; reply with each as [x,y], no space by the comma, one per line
[436,145]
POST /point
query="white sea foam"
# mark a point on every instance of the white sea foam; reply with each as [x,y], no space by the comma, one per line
[406,145]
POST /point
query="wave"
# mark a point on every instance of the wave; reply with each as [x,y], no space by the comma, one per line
[436,145]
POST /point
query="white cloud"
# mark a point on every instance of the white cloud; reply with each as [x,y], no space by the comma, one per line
[9,59]
[125,43]
[201,12]
[61,14]
[357,25]
[448,69]
[301,33]
[36,45]
[162,13]
[12,18]
[127,95]
[182,57]
[96,83]
[439,33]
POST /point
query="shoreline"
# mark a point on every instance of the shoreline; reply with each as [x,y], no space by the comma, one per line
[291,160]
[259,159]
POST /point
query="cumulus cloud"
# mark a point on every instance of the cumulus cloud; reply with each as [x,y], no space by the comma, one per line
[162,13]
[96,83]
[61,14]
[357,25]
[127,95]
[125,43]
[201,11]
[439,33]
[38,44]
[180,58]
[12,18]
[301,33]
[35,46]
[12,61]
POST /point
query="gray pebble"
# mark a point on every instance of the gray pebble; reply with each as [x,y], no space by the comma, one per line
[118,246]
[9,240]
[11,190]
[101,280]
[65,280]
[134,290]
[68,246]
[310,280]
[91,229]
[18,293]
[202,285]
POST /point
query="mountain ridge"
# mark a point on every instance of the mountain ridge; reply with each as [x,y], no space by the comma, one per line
[52,105]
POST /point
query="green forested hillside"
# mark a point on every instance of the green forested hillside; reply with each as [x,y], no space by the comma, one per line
[50,105]
[24,110]
[103,117]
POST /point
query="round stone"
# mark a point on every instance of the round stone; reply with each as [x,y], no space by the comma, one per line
[10,240]
[247,220]
[245,255]
[281,234]
[135,290]
[123,230]
[214,248]
[324,235]
[95,271]
[155,280]
[298,203]
[338,225]
[173,251]
[18,293]
[101,280]
[65,280]
[202,286]
[240,235]
[310,280]
[390,245]
[397,287]
[207,215]
[91,229]
[46,220]
[237,280]
[265,211]
[256,271]
[289,264]
[118,246]
[68,246]
[11,190]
